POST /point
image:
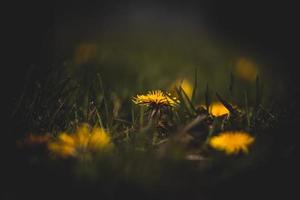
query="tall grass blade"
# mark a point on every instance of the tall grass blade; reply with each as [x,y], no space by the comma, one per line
[187,99]
[207,98]
[195,86]
[247,109]
[226,104]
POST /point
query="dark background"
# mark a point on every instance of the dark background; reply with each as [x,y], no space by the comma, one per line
[268,28]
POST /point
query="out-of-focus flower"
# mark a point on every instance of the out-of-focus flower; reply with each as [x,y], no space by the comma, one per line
[232,142]
[218,109]
[84,52]
[246,69]
[35,140]
[185,85]
[156,99]
[84,140]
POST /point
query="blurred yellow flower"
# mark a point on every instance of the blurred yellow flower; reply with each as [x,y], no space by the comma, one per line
[32,139]
[185,85]
[232,142]
[84,53]
[246,69]
[218,109]
[84,140]
[156,98]
[99,139]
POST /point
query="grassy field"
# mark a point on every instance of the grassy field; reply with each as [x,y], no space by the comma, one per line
[84,128]
[157,110]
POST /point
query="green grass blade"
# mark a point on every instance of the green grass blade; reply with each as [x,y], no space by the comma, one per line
[187,99]
[226,104]
[207,98]
[99,119]
[195,86]
[108,122]
[247,109]
[181,99]
[217,126]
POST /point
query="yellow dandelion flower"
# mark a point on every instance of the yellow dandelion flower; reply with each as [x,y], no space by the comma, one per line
[232,142]
[156,98]
[218,109]
[84,140]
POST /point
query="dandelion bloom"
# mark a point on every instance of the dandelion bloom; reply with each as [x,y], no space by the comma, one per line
[156,98]
[218,109]
[84,140]
[232,142]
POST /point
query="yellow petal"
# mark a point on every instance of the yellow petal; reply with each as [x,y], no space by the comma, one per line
[61,150]
[99,139]
[67,139]
[218,109]
[82,135]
